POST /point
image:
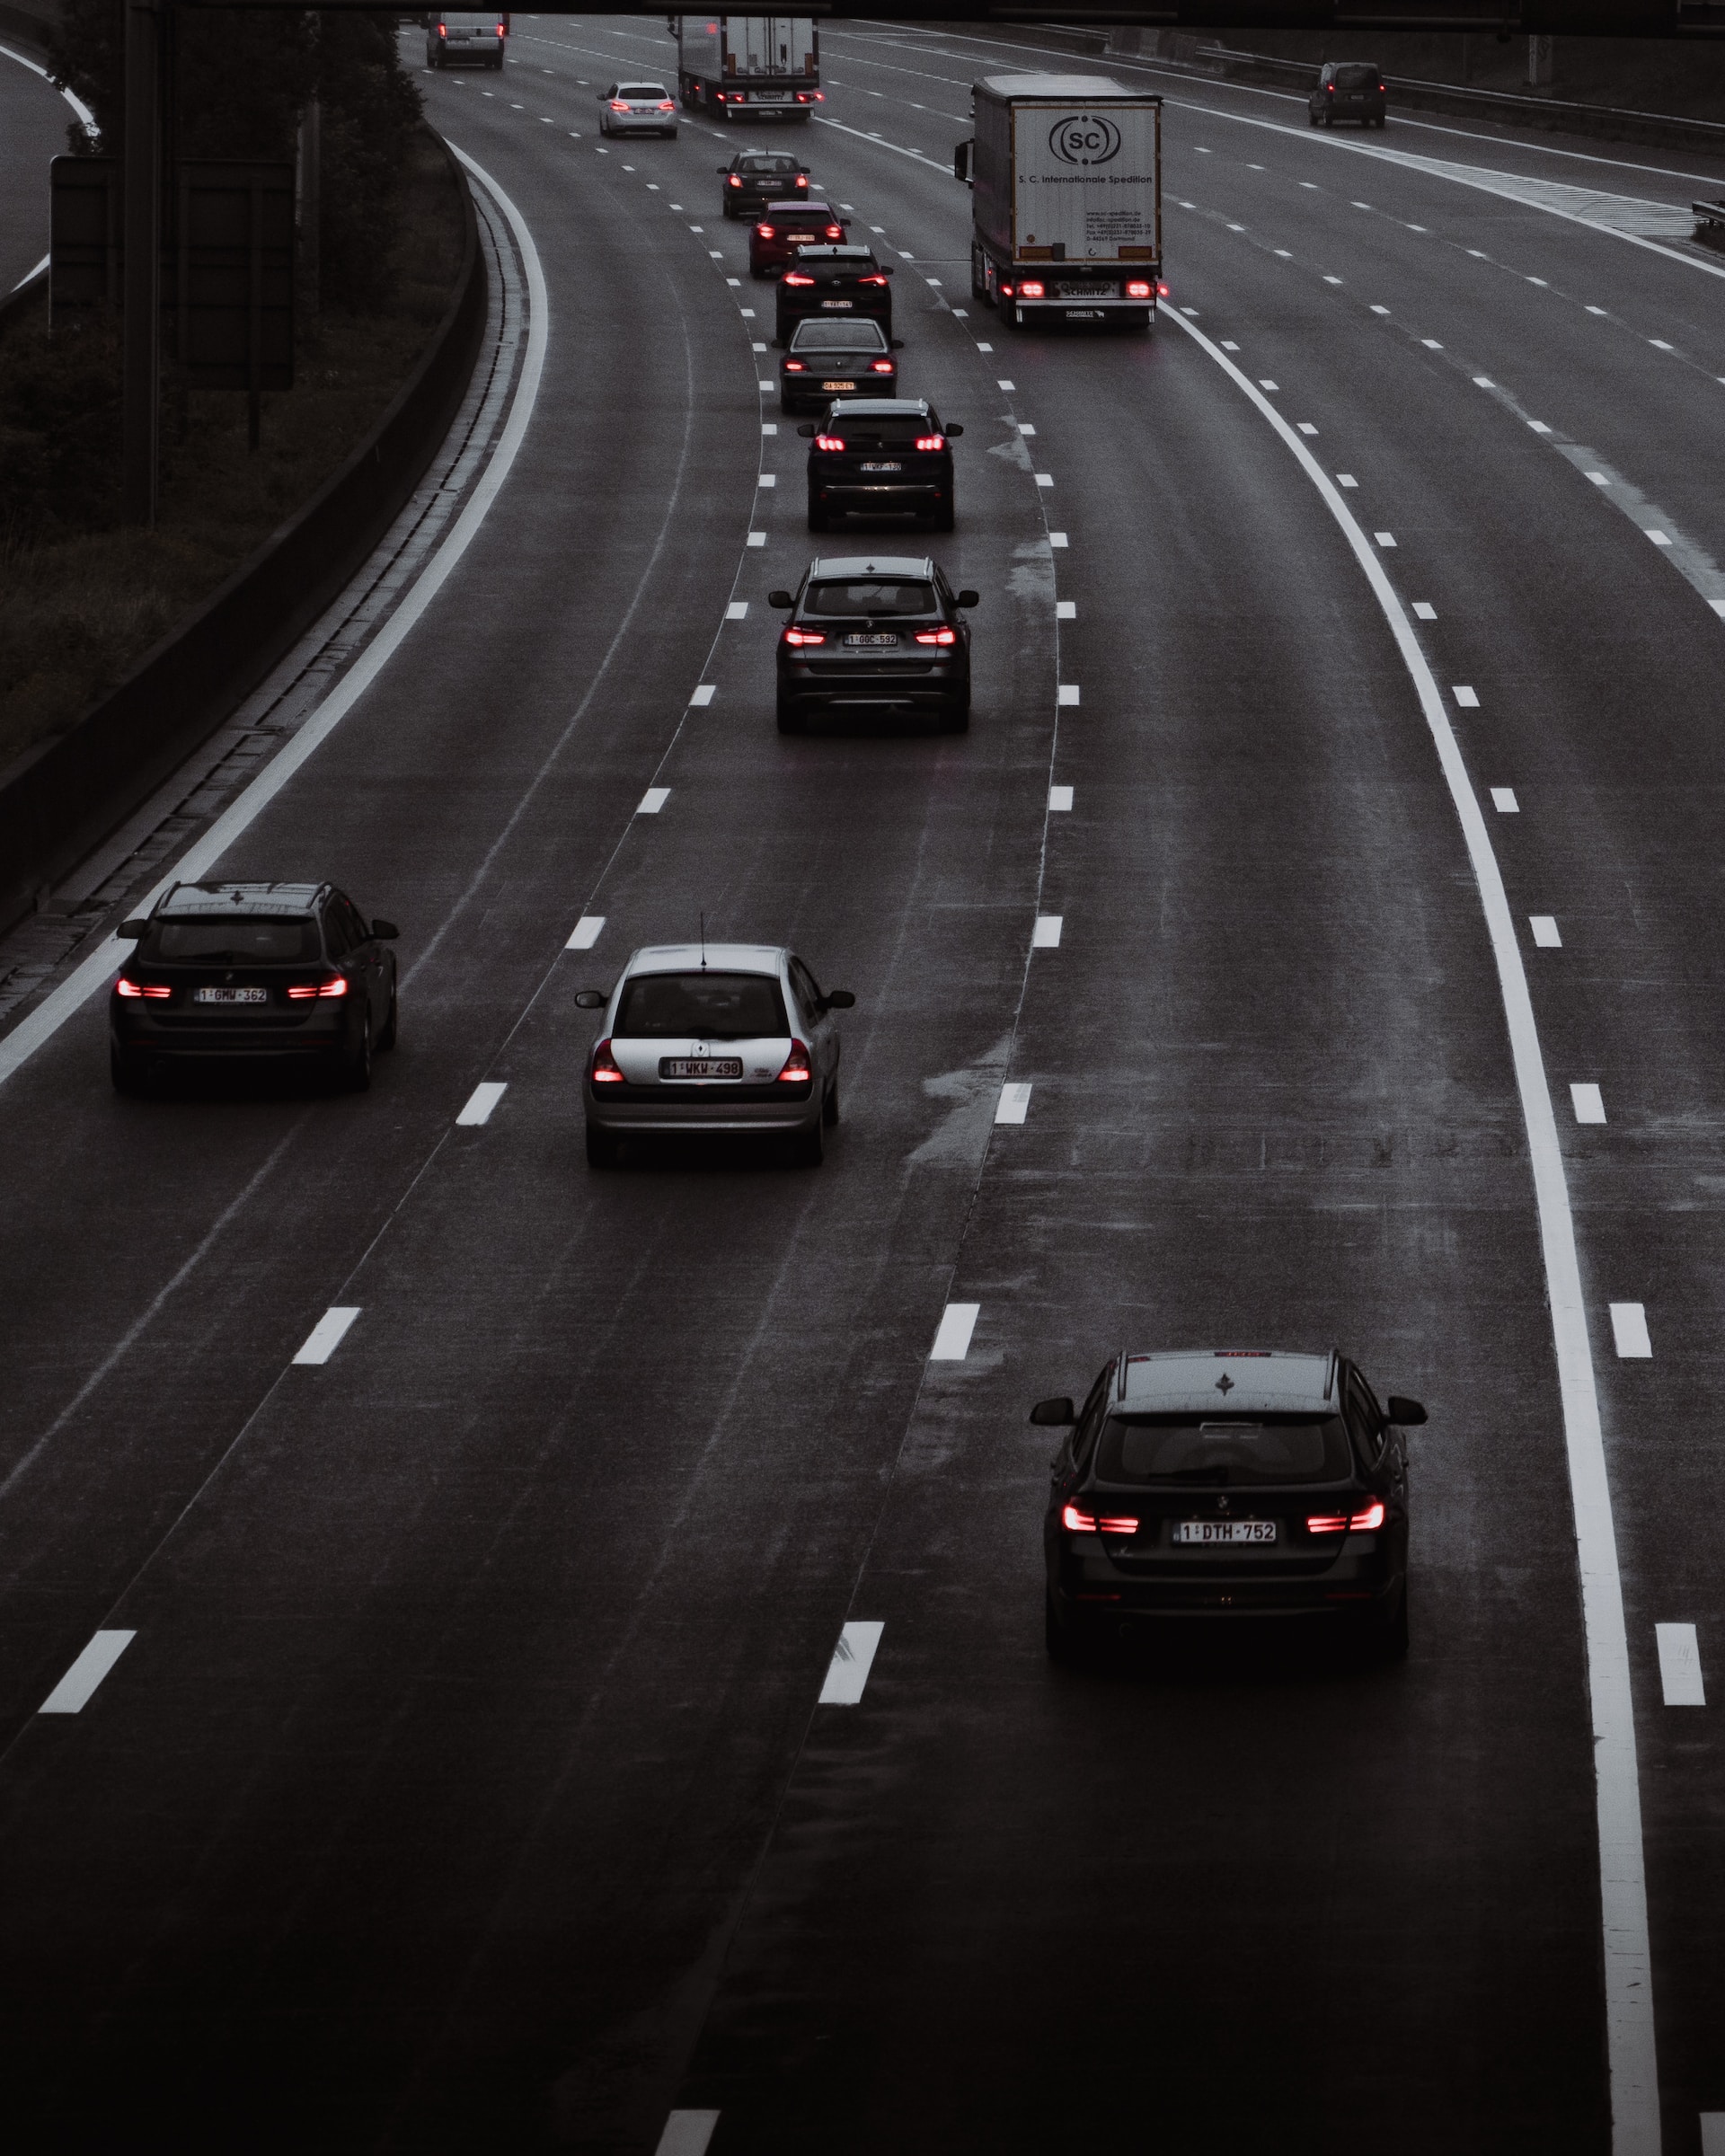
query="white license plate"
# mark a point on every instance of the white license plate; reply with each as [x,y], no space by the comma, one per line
[836,303]
[1224,1531]
[701,1067]
[1084,314]
[881,467]
[881,636]
[231,995]
[838,385]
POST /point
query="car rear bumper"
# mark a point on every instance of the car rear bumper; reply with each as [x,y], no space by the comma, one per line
[1105,1609]
[657,123]
[915,497]
[930,688]
[315,1034]
[715,1116]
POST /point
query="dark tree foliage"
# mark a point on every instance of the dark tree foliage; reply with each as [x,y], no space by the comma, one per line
[59,431]
[369,109]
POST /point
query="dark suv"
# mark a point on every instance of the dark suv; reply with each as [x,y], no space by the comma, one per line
[1227,1483]
[880,456]
[755,177]
[291,972]
[880,635]
[1348,90]
[834,280]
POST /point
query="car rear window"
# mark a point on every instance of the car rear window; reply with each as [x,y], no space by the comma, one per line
[1140,1449]
[888,430]
[769,164]
[863,336]
[641,89]
[1357,77]
[283,942]
[709,1006]
[857,596]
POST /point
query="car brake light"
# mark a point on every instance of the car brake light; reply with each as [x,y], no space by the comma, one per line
[1161,291]
[794,366]
[835,232]
[667,106]
[735,181]
[931,441]
[882,367]
[1079,1522]
[805,636]
[1005,291]
[605,1066]
[764,232]
[796,1071]
[876,279]
[618,105]
[442,30]
[829,441]
[1030,290]
[802,179]
[1329,89]
[796,276]
[502,29]
[1136,288]
[132,990]
[937,636]
[337,985]
[1337,1522]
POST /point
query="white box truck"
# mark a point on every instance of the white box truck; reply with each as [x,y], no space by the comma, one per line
[1066,173]
[740,65]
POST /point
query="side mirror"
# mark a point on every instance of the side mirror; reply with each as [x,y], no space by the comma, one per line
[887,270]
[954,432]
[897,343]
[590,999]
[1408,1413]
[808,430]
[1055,1414]
[969,599]
[839,999]
[134,931]
[963,159]
[780,598]
[386,931]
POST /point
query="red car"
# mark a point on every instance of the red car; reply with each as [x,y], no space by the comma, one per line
[784,227]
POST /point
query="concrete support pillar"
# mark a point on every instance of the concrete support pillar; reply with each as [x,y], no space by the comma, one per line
[1541,62]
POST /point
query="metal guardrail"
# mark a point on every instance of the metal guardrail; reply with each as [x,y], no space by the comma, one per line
[1709,213]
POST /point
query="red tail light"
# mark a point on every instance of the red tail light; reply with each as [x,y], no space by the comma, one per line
[1030,290]
[1329,89]
[442,30]
[795,277]
[735,181]
[605,1066]
[798,637]
[618,105]
[132,990]
[1005,291]
[829,441]
[794,366]
[876,279]
[883,366]
[802,179]
[1339,1523]
[1383,89]
[835,232]
[667,106]
[337,985]
[931,441]
[937,636]
[1161,291]
[766,231]
[1076,1521]
[797,1070]
[502,29]
[1136,289]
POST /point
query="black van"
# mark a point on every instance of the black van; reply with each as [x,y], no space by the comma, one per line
[1348,90]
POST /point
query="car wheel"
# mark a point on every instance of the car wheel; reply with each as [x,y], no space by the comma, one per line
[818,518]
[386,1038]
[1059,1635]
[1310,119]
[1328,119]
[601,1148]
[1388,1636]
[956,717]
[356,1071]
[790,719]
[942,520]
[810,1150]
[126,1070]
[829,1106]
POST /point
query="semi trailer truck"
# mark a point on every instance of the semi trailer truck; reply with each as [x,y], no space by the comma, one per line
[736,65]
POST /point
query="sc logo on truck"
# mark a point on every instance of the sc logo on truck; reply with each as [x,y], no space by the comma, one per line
[1085,138]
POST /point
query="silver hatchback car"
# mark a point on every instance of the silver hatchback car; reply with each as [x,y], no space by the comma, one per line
[721,1037]
[637,108]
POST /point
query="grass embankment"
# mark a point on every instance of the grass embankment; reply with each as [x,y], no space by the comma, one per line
[82,598]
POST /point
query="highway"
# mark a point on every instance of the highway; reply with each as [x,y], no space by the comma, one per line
[464,1783]
[34,120]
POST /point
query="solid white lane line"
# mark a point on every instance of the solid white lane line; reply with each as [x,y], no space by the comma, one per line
[586,933]
[1680,1666]
[1059,798]
[952,1340]
[480,1101]
[1045,934]
[328,1334]
[737,610]
[237,818]
[653,801]
[1424,612]
[703,695]
[853,1658]
[1589,1103]
[1467,698]
[72,1694]
[1545,935]
[1068,694]
[1057,539]
[1630,2037]
[687,2133]
[1629,1332]
[1015,1103]
[1065,610]
[1503,799]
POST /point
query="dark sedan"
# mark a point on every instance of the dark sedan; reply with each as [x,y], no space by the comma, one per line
[881,636]
[278,972]
[836,358]
[880,456]
[834,280]
[1227,1483]
[784,228]
[754,178]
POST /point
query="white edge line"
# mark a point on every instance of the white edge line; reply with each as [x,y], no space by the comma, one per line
[934,163]
[51,1015]
[1622,1879]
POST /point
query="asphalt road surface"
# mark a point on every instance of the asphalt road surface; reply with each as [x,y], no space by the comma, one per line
[464,1783]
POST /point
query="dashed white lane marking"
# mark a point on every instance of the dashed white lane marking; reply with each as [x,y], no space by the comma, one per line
[1377,310]
[1068,694]
[1045,479]
[704,695]
[1227,347]
[653,801]
[697,228]
[72,1694]
[328,1334]
[1385,538]
[1629,1332]
[1538,280]
[1431,344]
[768,479]
[984,348]
[847,1674]
[586,933]
[1271,386]
[1659,345]
[1680,1666]
[1025,426]
[1007,385]
[1544,928]
[1593,310]
[1057,539]
[1015,1103]
[1359,206]
[769,425]
[480,1101]
[1059,798]
[1237,228]
[758,539]
[1065,610]
[1045,934]
[1424,610]
[1503,799]
[1598,478]
[748,315]
[737,281]
[1332,281]
[1285,254]
[1346,479]
[737,610]
[1589,1103]
[1469,699]
[1418,228]
[1659,538]
[1307,427]
[952,1339]
[1539,425]
[1312,186]
[1483,382]
[687,2133]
